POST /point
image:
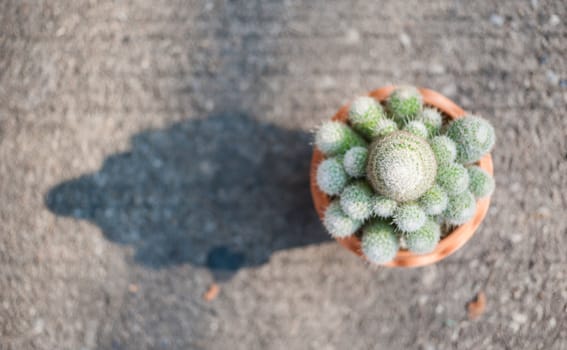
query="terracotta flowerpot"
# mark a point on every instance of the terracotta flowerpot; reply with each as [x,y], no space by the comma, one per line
[448,245]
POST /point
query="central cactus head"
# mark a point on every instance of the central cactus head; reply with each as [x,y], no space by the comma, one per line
[401,166]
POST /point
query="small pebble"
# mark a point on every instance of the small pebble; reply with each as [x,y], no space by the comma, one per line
[552,77]
[133,288]
[405,40]
[554,20]
[497,20]
[450,323]
[352,36]
[212,292]
[519,318]
[436,68]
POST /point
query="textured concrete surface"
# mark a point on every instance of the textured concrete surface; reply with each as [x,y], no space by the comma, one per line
[149,148]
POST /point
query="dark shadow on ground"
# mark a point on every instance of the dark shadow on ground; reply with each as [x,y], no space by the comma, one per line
[223,192]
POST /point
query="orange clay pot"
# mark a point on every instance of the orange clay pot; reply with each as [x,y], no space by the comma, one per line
[447,245]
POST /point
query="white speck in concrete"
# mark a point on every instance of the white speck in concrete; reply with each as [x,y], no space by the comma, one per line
[519,317]
[497,20]
[352,36]
[436,68]
[405,40]
[552,77]
[38,326]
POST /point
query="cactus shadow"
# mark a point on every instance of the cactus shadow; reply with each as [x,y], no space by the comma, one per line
[224,192]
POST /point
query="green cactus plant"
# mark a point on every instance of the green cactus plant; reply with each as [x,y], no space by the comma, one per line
[481,184]
[337,223]
[409,217]
[356,200]
[383,207]
[335,138]
[432,119]
[434,201]
[355,161]
[379,242]
[404,104]
[453,177]
[404,186]
[418,128]
[365,113]
[460,208]
[425,239]
[474,137]
[444,149]
[331,176]
[385,127]
[401,166]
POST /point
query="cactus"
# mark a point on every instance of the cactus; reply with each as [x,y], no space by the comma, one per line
[364,114]
[474,137]
[401,166]
[331,177]
[338,223]
[419,178]
[453,177]
[481,184]
[383,207]
[385,127]
[444,149]
[409,217]
[460,208]
[355,161]
[434,201]
[356,200]
[379,242]
[425,239]
[432,120]
[404,104]
[335,138]
[416,127]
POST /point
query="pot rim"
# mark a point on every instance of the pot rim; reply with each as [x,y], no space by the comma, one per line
[446,246]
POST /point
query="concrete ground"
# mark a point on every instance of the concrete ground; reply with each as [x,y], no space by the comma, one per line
[151,148]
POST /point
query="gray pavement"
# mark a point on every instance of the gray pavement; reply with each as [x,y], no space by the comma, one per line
[151,148]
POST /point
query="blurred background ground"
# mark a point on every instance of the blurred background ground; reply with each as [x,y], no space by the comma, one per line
[150,148]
